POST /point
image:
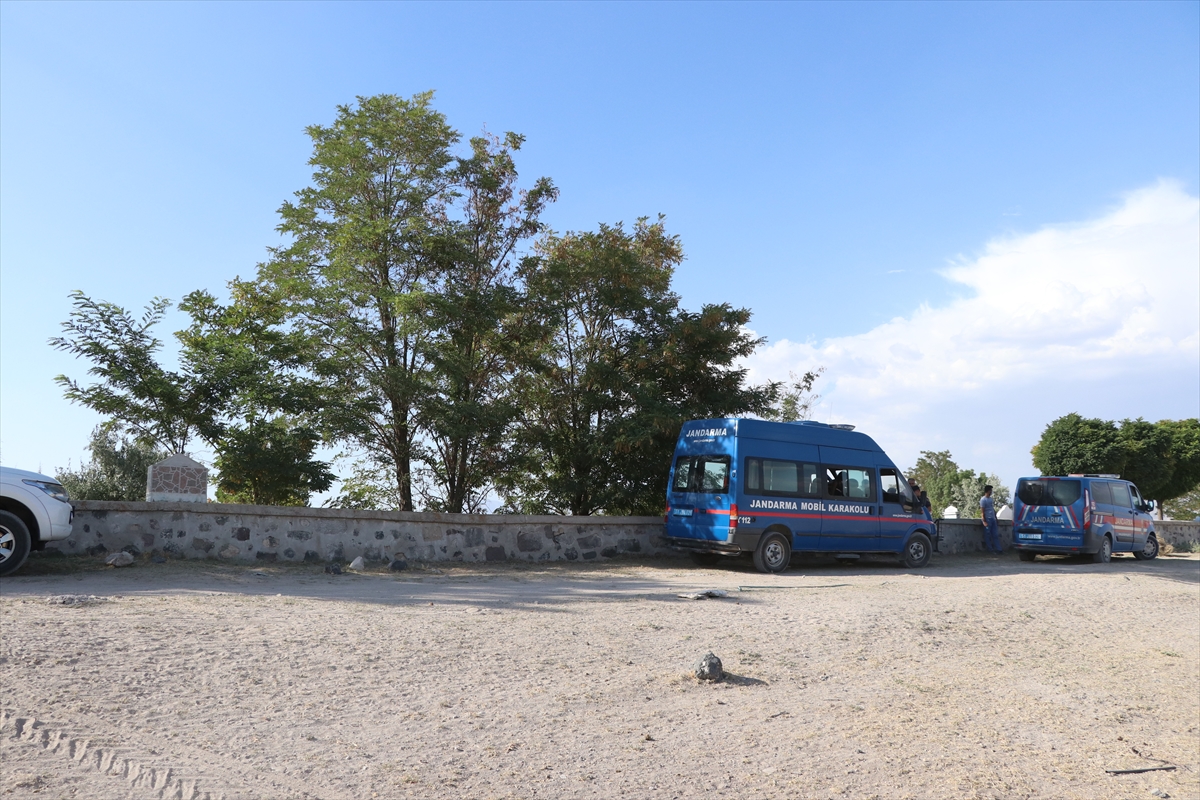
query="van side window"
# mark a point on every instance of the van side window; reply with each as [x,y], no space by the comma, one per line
[772,477]
[752,475]
[1100,493]
[1120,493]
[851,482]
[1137,498]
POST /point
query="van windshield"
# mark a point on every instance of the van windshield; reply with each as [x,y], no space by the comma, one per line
[1048,492]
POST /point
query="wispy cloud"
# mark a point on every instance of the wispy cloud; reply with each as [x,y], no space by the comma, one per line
[1101,316]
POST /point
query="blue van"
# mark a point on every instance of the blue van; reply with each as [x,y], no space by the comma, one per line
[768,489]
[1095,515]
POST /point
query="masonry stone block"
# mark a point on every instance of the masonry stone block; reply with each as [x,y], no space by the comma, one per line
[528,542]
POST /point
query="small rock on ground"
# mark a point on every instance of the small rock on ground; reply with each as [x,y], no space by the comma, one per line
[358,564]
[398,565]
[709,668]
[333,569]
[121,559]
[74,600]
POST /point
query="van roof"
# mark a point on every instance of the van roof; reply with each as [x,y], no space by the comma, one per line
[801,432]
[1075,476]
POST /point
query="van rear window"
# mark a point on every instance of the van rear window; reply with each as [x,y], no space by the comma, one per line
[702,474]
[1048,493]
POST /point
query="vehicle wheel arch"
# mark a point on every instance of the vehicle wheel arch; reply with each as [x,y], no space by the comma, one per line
[779,527]
[25,514]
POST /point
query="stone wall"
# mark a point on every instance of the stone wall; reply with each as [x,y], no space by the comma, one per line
[958,536]
[966,535]
[1178,534]
[255,534]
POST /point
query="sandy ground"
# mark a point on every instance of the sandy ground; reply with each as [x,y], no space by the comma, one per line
[975,677]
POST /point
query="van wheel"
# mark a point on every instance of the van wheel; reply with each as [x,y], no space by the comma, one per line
[1104,554]
[1026,555]
[773,553]
[916,552]
[1150,551]
[705,559]
[14,543]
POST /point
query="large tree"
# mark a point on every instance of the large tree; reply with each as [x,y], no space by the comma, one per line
[478,328]
[273,408]
[356,274]
[621,367]
[1162,458]
[1074,444]
[239,388]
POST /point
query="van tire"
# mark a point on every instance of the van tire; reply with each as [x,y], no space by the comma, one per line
[15,543]
[1026,555]
[916,551]
[1150,550]
[773,554]
[705,559]
[1104,554]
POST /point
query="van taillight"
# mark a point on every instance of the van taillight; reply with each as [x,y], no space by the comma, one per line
[666,514]
[733,518]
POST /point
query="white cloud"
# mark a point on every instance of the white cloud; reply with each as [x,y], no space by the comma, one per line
[1101,317]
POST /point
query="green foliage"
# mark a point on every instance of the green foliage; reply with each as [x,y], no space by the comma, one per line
[406,318]
[157,405]
[269,462]
[1073,444]
[969,491]
[477,328]
[354,281]
[117,469]
[796,398]
[620,368]
[949,485]
[1161,458]
[1184,506]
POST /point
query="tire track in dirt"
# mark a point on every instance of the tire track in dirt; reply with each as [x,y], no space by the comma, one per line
[149,779]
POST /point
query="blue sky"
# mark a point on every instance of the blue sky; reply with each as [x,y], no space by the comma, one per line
[866,178]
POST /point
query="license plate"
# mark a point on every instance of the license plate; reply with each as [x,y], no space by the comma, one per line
[682,512]
[1029,536]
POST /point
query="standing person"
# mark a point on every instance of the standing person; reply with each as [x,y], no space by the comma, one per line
[991,528]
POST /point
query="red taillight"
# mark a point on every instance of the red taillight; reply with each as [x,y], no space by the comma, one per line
[666,514]
[733,517]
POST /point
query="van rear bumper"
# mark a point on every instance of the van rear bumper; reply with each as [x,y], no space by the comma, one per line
[741,544]
[1088,544]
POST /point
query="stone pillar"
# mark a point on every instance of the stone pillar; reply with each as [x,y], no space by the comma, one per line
[177,478]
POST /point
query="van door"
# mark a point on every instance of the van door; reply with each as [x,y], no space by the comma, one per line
[850,518]
[700,497]
[1141,520]
[783,492]
[1122,508]
[894,519]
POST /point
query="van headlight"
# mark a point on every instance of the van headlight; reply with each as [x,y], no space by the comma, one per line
[55,490]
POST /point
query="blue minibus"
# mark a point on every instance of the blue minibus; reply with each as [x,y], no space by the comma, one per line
[769,489]
[1091,514]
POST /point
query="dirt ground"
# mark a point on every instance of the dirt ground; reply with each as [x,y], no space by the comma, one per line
[976,677]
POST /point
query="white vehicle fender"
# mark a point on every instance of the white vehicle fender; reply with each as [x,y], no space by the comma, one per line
[32,499]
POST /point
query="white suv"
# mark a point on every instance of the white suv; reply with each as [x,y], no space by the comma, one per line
[33,510]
